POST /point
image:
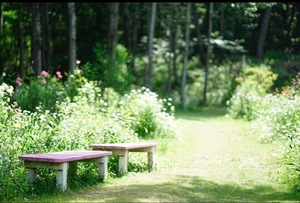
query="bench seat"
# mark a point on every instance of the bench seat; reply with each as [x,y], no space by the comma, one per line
[61,161]
[122,150]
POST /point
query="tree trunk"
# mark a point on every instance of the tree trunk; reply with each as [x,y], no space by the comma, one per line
[208,50]
[297,33]
[1,40]
[36,39]
[263,33]
[186,53]
[134,41]
[113,31]
[21,43]
[72,37]
[222,54]
[172,48]
[174,42]
[198,31]
[48,41]
[149,74]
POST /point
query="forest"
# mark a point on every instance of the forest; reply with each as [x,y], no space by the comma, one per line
[191,52]
[127,68]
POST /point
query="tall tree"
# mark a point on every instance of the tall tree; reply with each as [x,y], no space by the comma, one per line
[263,33]
[72,37]
[297,32]
[21,42]
[185,57]
[1,39]
[198,31]
[208,51]
[47,38]
[113,31]
[172,68]
[134,39]
[36,38]
[149,74]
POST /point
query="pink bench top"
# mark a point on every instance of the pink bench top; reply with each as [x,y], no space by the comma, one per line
[122,146]
[65,156]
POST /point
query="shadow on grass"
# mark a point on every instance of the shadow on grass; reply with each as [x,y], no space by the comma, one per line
[201,113]
[188,189]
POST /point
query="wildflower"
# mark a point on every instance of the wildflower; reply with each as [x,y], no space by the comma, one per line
[78,62]
[44,73]
[58,74]
[17,125]
[19,81]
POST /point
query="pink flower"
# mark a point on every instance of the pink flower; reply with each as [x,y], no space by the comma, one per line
[58,74]
[77,62]
[19,81]
[44,73]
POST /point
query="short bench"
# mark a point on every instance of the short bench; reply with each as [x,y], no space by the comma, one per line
[122,150]
[60,161]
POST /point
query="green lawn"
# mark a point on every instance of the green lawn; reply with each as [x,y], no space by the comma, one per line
[216,159]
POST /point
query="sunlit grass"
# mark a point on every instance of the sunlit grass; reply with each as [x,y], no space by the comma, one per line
[216,159]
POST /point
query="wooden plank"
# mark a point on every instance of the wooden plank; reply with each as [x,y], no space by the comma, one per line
[65,156]
[124,146]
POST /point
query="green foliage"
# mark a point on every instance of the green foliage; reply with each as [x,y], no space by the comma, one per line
[279,119]
[253,84]
[151,116]
[112,74]
[46,91]
[24,132]
[220,83]
[284,64]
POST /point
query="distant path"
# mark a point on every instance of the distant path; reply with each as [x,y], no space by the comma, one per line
[218,159]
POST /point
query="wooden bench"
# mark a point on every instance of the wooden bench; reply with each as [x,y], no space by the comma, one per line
[61,161]
[122,150]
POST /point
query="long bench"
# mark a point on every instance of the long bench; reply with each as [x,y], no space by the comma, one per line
[122,150]
[61,161]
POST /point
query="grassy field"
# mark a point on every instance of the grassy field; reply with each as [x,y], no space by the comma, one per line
[217,159]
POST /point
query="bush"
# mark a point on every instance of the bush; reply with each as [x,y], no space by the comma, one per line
[279,119]
[253,84]
[46,91]
[151,116]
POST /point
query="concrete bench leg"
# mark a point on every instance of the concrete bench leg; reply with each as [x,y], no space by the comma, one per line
[31,175]
[123,163]
[103,167]
[151,159]
[61,176]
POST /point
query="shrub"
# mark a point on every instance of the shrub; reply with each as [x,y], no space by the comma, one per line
[254,83]
[151,116]
[279,119]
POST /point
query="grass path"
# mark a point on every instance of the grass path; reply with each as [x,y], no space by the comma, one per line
[217,159]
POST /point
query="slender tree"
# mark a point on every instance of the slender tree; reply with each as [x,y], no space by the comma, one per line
[263,33]
[297,32]
[198,31]
[21,43]
[72,37]
[36,38]
[208,51]
[172,49]
[47,38]
[1,39]
[149,74]
[113,31]
[185,58]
